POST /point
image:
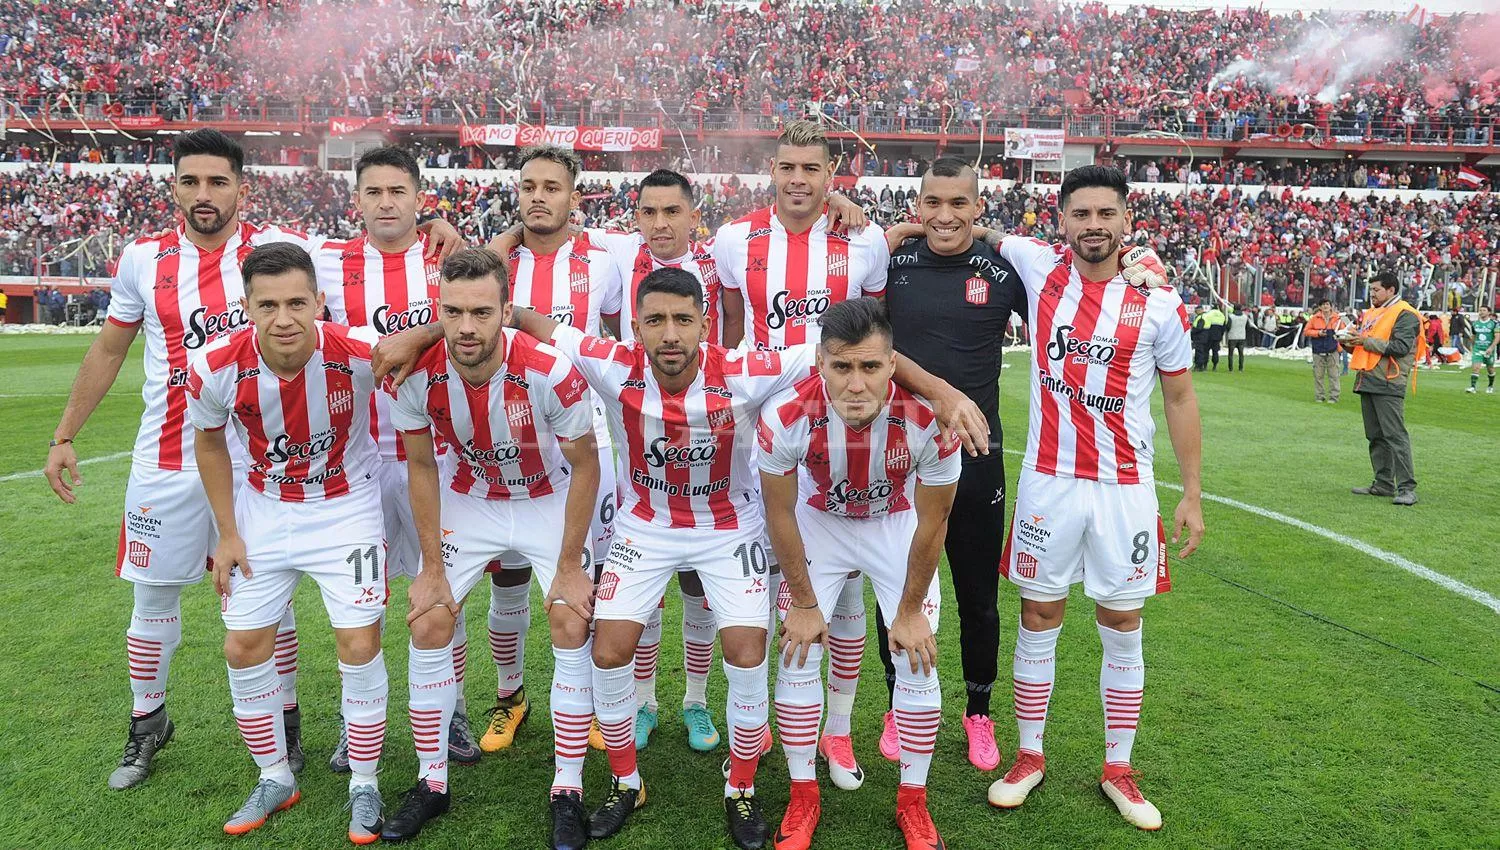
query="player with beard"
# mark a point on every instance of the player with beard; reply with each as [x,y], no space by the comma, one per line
[1086,506]
[568,276]
[685,413]
[387,279]
[517,415]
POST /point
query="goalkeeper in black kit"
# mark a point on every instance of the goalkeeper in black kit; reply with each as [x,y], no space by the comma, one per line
[950,298]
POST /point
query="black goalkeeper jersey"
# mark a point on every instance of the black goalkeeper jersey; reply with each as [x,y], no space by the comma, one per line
[950,315]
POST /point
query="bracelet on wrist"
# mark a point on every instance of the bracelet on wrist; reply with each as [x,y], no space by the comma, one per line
[56,442]
[805,607]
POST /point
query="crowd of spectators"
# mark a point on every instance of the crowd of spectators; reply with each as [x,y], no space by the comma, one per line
[921,65]
[1295,247]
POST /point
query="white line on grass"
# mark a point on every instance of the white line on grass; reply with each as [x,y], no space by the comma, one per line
[1416,569]
[37,473]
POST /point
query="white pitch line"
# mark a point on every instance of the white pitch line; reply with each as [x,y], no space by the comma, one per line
[1446,582]
[38,473]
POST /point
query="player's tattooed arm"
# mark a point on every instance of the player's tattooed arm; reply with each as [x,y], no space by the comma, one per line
[100,367]
[572,586]
[804,624]
[898,234]
[430,589]
[989,236]
[397,355]
[910,630]
[217,472]
[1180,403]
[957,413]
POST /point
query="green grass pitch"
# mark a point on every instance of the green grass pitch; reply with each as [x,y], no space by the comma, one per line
[1300,693]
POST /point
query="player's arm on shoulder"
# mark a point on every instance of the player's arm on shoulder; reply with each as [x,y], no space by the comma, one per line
[443,239]
[960,417]
[1180,403]
[397,355]
[899,234]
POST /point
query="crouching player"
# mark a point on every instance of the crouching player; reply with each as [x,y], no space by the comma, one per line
[848,456]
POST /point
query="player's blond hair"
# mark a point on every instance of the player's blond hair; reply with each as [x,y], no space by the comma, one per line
[805,134]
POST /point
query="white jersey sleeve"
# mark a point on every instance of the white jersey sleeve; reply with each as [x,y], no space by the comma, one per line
[1171,344]
[565,407]
[728,249]
[409,404]
[781,450]
[871,243]
[766,373]
[936,462]
[592,356]
[210,397]
[1032,258]
[127,304]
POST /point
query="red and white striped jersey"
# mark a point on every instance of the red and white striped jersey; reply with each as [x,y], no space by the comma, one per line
[507,430]
[308,438]
[1098,347]
[634,260]
[366,287]
[574,285]
[869,472]
[185,298]
[687,456]
[789,279]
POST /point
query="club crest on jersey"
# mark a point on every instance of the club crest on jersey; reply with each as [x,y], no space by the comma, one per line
[783,597]
[1131,315]
[138,554]
[897,458]
[578,282]
[719,419]
[838,265]
[434,274]
[340,401]
[977,291]
[1026,565]
[608,583]
[518,414]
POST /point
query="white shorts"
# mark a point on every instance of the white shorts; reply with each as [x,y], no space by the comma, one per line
[1067,530]
[878,547]
[338,542]
[478,531]
[168,533]
[403,551]
[602,526]
[733,566]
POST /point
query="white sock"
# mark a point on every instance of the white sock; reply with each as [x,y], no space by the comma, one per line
[918,706]
[646,653]
[257,711]
[698,634]
[614,706]
[366,691]
[1122,684]
[286,658]
[846,652]
[799,708]
[1032,670]
[431,695]
[746,711]
[572,712]
[510,616]
[460,647]
[154,633]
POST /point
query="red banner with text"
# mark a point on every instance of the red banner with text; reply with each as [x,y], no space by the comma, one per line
[577,138]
